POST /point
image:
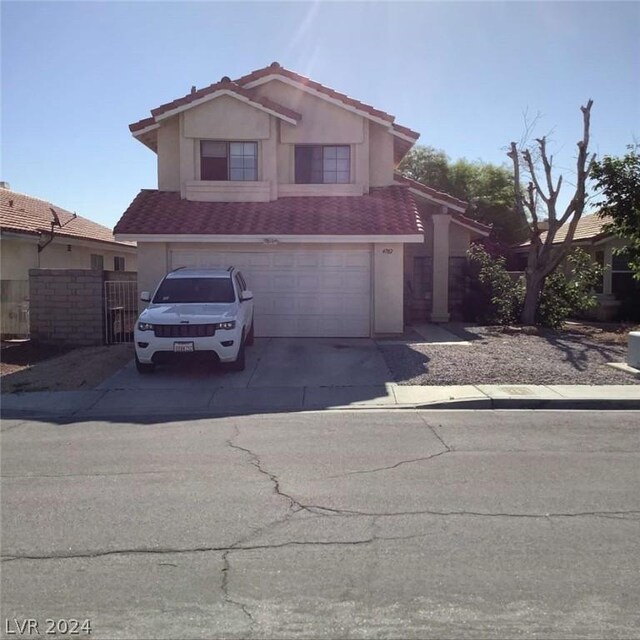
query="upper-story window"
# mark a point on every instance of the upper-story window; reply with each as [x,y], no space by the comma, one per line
[228,160]
[323,164]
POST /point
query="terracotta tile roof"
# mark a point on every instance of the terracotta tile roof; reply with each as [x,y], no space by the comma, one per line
[445,197]
[384,211]
[239,86]
[224,85]
[406,131]
[588,228]
[24,214]
[428,191]
[142,124]
[275,69]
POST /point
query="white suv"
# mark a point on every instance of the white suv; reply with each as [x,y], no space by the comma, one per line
[195,312]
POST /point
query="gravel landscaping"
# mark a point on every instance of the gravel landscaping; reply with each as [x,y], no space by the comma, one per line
[496,355]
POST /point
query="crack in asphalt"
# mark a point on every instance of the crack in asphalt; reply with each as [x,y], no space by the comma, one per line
[255,461]
[239,546]
[15,426]
[89,475]
[618,515]
[226,567]
[447,449]
[435,433]
[393,466]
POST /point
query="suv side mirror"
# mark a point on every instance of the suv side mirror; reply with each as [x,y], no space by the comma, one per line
[145,296]
[246,295]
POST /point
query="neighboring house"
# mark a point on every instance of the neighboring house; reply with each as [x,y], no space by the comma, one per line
[295,184]
[37,234]
[618,290]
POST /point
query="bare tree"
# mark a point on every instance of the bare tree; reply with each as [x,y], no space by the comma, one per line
[541,198]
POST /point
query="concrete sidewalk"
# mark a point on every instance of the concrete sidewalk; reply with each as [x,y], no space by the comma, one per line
[95,404]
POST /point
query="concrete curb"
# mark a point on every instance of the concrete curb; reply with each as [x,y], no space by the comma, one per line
[87,411]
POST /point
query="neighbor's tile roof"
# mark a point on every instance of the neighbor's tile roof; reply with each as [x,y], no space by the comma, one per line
[25,214]
[239,86]
[588,228]
[384,211]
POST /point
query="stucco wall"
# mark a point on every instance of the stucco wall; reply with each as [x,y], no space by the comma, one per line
[322,122]
[388,288]
[20,255]
[226,118]
[169,155]
[459,240]
[17,257]
[380,156]
[152,266]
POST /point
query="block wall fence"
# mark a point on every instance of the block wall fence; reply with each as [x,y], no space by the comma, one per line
[66,306]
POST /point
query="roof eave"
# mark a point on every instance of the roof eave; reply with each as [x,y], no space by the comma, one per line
[270,238]
[163,115]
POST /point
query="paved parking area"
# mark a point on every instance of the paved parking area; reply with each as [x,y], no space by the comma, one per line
[271,362]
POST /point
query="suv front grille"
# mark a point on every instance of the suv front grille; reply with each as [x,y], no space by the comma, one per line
[184,330]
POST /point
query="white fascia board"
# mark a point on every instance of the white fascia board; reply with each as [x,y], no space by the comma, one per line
[88,243]
[420,194]
[470,227]
[151,127]
[402,136]
[317,94]
[217,94]
[74,241]
[605,239]
[270,239]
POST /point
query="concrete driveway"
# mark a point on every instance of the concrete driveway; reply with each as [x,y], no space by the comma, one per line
[271,362]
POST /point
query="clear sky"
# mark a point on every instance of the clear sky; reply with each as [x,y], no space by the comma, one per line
[75,74]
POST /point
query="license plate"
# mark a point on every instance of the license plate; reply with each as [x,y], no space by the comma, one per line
[181,347]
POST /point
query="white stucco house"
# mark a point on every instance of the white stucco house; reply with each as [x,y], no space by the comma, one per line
[36,234]
[618,293]
[294,183]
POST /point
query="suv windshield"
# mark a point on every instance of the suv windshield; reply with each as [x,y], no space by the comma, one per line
[195,290]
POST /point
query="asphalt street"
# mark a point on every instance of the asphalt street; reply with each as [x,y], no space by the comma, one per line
[341,524]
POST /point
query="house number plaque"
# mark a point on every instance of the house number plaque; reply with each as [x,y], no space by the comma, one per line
[387,251]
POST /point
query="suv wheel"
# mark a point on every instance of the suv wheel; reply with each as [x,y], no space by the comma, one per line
[250,336]
[144,367]
[239,363]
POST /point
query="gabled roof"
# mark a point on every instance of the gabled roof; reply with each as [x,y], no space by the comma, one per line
[275,70]
[20,213]
[436,196]
[224,87]
[455,205]
[588,229]
[242,88]
[384,211]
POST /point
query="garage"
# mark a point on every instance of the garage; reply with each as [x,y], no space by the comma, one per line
[298,292]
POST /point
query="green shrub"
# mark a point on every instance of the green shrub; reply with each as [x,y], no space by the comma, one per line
[493,296]
[569,290]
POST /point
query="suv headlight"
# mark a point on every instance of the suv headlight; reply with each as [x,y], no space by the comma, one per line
[145,326]
[226,325]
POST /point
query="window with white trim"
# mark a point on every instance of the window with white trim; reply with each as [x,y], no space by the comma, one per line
[222,160]
[322,164]
[622,282]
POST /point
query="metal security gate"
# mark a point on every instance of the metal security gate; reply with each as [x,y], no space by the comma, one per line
[120,310]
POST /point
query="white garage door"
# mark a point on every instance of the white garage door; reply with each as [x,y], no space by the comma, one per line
[299,293]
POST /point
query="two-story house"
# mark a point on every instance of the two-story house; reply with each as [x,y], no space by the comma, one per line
[294,183]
